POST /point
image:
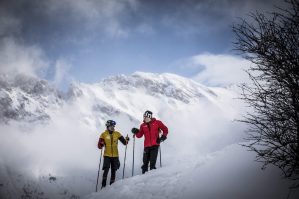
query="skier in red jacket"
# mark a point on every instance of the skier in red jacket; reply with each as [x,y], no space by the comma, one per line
[150,128]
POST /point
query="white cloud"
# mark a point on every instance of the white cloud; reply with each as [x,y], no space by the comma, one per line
[17,58]
[62,68]
[218,70]
[20,59]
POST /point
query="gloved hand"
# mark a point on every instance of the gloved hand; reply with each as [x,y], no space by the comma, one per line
[134,130]
[127,139]
[161,139]
[101,143]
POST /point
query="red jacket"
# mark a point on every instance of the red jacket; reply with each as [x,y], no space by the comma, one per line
[151,132]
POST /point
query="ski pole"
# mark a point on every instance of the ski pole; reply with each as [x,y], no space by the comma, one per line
[160,155]
[160,131]
[125,158]
[99,171]
[133,155]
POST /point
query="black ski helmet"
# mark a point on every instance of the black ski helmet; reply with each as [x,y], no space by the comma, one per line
[110,123]
[148,114]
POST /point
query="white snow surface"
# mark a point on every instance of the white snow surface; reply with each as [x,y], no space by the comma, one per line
[58,156]
[229,173]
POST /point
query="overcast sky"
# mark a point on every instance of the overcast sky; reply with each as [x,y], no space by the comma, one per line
[65,40]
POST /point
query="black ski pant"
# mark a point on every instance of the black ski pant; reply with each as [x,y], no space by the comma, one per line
[150,155]
[112,162]
[105,174]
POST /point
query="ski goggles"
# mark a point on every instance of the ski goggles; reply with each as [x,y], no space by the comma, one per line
[148,114]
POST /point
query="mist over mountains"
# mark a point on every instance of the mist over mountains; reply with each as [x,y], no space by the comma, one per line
[49,139]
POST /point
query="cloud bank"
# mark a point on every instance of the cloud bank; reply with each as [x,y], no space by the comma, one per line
[216,69]
[21,59]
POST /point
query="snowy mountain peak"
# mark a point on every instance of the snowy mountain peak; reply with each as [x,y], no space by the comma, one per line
[166,84]
[27,98]
[31,99]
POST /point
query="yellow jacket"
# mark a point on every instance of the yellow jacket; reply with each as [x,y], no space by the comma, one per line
[111,143]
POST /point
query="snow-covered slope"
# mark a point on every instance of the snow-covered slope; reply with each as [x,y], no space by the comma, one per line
[59,158]
[132,95]
[25,98]
[229,173]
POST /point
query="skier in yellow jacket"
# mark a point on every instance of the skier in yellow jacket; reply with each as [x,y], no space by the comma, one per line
[109,138]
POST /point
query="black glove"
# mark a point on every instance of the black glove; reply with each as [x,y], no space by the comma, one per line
[135,130]
[161,139]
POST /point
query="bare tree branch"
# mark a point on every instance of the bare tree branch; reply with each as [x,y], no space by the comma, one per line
[272,45]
